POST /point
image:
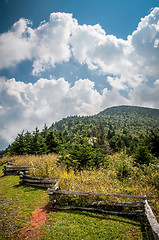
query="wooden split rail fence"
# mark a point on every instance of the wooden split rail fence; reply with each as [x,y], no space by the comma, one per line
[12,169]
[38,181]
[119,208]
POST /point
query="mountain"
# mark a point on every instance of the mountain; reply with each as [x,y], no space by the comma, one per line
[133,119]
[114,129]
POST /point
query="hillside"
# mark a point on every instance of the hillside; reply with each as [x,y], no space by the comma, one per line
[136,121]
[114,129]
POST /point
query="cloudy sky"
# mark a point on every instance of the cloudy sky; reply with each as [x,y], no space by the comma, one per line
[60,58]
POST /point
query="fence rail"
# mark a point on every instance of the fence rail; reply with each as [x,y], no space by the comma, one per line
[53,191]
[38,181]
[119,208]
[152,220]
[12,169]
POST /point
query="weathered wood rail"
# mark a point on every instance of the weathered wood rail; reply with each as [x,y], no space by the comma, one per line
[152,220]
[119,208]
[38,181]
[14,170]
[63,192]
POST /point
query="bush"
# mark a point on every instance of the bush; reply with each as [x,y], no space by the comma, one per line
[153,174]
[123,167]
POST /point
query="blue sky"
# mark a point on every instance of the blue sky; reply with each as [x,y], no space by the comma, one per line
[62,58]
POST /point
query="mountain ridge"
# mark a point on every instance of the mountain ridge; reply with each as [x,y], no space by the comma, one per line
[129,107]
[121,125]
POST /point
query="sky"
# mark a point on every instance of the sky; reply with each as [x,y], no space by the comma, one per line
[63,58]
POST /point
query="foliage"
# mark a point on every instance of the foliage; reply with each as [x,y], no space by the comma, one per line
[82,154]
[37,142]
[142,155]
[152,141]
[123,166]
[120,127]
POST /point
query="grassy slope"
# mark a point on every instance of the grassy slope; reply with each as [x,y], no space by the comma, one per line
[18,202]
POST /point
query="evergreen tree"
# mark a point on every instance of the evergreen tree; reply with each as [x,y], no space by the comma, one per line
[101,138]
[52,142]
[38,143]
[81,154]
[152,141]
[28,142]
[142,155]
[45,131]
[18,147]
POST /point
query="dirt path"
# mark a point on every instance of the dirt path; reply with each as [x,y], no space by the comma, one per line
[32,231]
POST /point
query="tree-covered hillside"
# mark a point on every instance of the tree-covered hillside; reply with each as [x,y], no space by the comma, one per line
[136,120]
[85,141]
[123,125]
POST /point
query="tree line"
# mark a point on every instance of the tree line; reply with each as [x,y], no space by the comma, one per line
[80,150]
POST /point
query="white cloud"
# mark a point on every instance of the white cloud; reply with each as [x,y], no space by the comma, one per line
[132,61]
[46,45]
[15,44]
[116,82]
[25,106]
[145,96]
[92,46]
[51,43]
[145,43]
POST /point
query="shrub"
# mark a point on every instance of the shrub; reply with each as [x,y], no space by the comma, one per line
[123,166]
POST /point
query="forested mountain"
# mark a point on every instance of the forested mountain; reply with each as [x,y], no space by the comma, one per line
[85,141]
[136,121]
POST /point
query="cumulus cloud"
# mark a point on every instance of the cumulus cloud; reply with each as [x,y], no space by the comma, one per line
[145,42]
[25,106]
[130,61]
[46,45]
[92,46]
[145,96]
[51,43]
[15,44]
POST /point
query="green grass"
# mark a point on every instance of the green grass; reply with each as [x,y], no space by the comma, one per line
[18,202]
[84,225]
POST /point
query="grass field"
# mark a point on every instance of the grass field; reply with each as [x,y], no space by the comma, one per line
[19,219]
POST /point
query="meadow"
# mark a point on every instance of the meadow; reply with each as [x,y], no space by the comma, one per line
[120,176]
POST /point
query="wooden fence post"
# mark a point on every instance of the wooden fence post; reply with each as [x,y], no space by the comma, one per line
[152,220]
